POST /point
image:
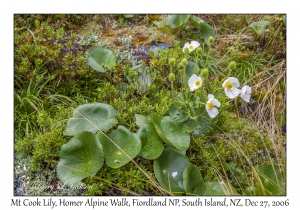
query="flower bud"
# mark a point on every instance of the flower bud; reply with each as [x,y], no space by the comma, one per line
[180,66]
[204,73]
[184,61]
[199,50]
[171,77]
[186,51]
[172,62]
[211,39]
[231,65]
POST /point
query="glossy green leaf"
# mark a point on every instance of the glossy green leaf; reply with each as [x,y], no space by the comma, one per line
[272,178]
[141,120]
[127,143]
[177,114]
[152,145]
[196,21]
[206,31]
[209,189]
[191,69]
[99,57]
[259,27]
[91,117]
[191,178]
[192,124]
[205,126]
[162,23]
[81,157]
[168,170]
[176,21]
[251,191]
[171,132]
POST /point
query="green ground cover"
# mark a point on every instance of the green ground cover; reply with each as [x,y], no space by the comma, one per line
[142,79]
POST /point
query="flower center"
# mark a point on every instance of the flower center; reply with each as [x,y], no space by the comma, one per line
[198,83]
[191,47]
[210,105]
[228,85]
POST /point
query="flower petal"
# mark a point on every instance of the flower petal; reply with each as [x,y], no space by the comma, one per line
[210,96]
[234,92]
[186,45]
[195,44]
[223,85]
[246,93]
[192,82]
[193,87]
[235,82]
[216,103]
[192,79]
[246,97]
[212,112]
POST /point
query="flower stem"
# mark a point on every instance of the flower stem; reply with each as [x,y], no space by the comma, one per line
[196,64]
[172,90]
[208,53]
[190,109]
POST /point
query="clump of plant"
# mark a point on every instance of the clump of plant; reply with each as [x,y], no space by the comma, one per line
[164,139]
[169,124]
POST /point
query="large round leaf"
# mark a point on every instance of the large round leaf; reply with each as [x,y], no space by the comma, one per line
[191,178]
[179,115]
[205,123]
[273,180]
[81,157]
[191,69]
[259,27]
[152,145]
[91,117]
[171,132]
[141,120]
[195,21]
[99,57]
[168,169]
[176,21]
[206,31]
[127,143]
[209,189]
[192,124]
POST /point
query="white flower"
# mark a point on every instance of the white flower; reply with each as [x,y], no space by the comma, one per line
[195,82]
[246,93]
[192,46]
[230,87]
[211,105]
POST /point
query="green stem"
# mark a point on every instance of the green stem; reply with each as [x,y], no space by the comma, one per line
[172,90]
[190,109]
[208,53]
[184,76]
[196,64]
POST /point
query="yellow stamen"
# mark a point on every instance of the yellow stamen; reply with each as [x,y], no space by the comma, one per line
[228,85]
[198,83]
[191,47]
[210,105]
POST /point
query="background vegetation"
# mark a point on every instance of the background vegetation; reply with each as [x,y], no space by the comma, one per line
[52,77]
